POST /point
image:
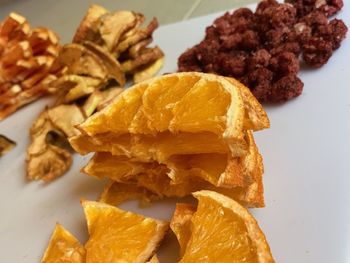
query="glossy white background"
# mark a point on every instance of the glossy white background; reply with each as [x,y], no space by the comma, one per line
[307,176]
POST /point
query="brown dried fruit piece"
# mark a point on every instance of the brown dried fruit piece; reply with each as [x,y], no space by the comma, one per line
[28,63]
[49,156]
[93,62]
[93,70]
[118,35]
[6,145]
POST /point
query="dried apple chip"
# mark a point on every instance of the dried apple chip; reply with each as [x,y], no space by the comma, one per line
[118,235]
[148,71]
[63,248]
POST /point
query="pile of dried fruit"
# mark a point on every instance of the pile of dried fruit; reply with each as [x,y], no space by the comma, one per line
[157,135]
[114,235]
[262,48]
[218,230]
[28,63]
[107,47]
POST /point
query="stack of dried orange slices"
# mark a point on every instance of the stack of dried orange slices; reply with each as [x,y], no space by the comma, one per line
[174,135]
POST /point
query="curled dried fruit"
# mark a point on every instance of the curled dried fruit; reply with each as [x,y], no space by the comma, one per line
[114,25]
[112,65]
[87,29]
[106,47]
[81,61]
[28,63]
[148,71]
[75,87]
[49,156]
[147,56]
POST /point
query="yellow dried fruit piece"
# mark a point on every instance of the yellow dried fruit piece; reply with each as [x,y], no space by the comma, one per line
[137,95]
[118,235]
[116,193]
[144,148]
[172,105]
[217,168]
[63,248]
[181,224]
[222,231]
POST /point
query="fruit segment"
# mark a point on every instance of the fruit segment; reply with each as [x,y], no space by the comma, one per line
[120,235]
[219,230]
[63,248]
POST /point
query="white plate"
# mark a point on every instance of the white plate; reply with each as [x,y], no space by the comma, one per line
[306,155]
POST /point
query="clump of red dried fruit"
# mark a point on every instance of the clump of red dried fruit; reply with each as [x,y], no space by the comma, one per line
[262,48]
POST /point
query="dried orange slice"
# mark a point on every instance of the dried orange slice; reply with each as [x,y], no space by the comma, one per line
[181,224]
[217,168]
[179,133]
[211,170]
[118,235]
[63,248]
[116,193]
[221,230]
[190,103]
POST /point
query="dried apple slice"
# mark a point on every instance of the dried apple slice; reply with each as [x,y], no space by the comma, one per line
[113,67]
[87,29]
[148,55]
[81,61]
[148,71]
[75,87]
[48,157]
[114,25]
[136,36]
[63,248]
[116,234]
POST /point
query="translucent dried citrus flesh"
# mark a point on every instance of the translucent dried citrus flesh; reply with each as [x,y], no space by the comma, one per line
[224,231]
[181,224]
[63,248]
[217,169]
[205,108]
[190,103]
[185,84]
[120,236]
[255,117]
[158,148]
[161,97]
[115,193]
[252,196]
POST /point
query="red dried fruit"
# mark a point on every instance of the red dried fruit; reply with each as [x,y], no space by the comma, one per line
[262,49]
